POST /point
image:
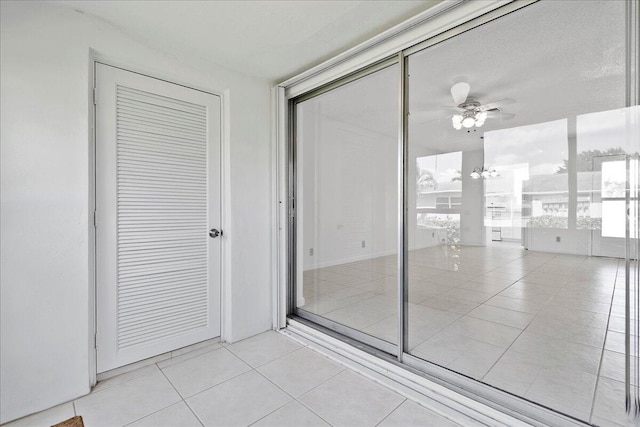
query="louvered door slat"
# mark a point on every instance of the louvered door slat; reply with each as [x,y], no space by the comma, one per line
[158,112]
[130,93]
[181,141]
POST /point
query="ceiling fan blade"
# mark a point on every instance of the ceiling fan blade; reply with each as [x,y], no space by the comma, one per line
[496,113]
[497,104]
[459,92]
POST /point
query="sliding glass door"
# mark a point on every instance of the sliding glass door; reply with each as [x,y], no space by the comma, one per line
[490,179]
[346,153]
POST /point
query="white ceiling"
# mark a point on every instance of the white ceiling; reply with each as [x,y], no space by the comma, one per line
[273,40]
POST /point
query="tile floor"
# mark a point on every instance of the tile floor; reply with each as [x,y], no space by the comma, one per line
[266,380]
[540,325]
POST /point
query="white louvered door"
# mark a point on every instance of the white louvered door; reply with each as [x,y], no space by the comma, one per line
[157,196]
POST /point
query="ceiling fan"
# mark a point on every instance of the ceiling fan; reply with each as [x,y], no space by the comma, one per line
[468,112]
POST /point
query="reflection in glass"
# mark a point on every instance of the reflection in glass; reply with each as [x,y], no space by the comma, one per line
[347,157]
[516,257]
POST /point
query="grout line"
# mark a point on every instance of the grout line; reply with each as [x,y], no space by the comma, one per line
[344,368]
[217,384]
[292,398]
[266,363]
[94,391]
[295,399]
[311,409]
[275,384]
[181,397]
[552,266]
[392,411]
[606,333]
[251,368]
[194,413]
[163,408]
[193,356]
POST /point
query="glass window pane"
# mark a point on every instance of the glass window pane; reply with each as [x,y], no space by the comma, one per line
[347,215]
[520,141]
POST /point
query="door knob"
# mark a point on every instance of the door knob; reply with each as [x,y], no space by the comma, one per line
[213,233]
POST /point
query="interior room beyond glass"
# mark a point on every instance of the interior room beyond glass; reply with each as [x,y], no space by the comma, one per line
[521,178]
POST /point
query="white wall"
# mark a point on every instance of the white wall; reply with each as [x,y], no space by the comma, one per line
[472,215]
[349,191]
[45,249]
[575,242]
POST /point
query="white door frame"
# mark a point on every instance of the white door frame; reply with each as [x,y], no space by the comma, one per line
[225,224]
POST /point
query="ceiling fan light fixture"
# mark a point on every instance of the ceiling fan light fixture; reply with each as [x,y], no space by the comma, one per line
[480,118]
[456,121]
[484,173]
[468,122]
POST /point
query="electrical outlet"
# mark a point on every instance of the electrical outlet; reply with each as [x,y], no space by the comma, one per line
[363,244]
[557,239]
[311,252]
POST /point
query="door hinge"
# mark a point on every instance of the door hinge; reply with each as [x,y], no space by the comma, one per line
[95,341]
[95,96]
[95,219]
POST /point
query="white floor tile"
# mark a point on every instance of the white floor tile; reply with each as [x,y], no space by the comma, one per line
[482,330]
[49,417]
[178,415]
[199,373]
[300,371]
[410,414]
[443,348]
[610,403]
[349,399]
[614,342]
[186,356]
[238,402]
[127,402]
[569,387]
[122,378]
[514,371]
[263,348]
[558,353]
[359,316]
[477,360]
[291,415]
[468,295]
[516,304]
[449,303]
[613,366]
[503,316]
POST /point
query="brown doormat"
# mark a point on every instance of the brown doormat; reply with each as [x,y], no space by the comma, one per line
[71,422]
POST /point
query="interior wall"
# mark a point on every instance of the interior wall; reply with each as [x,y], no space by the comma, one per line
[350,191]
[45,249]
[472,215]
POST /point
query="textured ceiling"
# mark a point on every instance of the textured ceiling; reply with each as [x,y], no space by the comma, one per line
[273,40]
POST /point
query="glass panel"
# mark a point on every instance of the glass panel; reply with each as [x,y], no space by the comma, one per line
[347,157]
[521,145]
